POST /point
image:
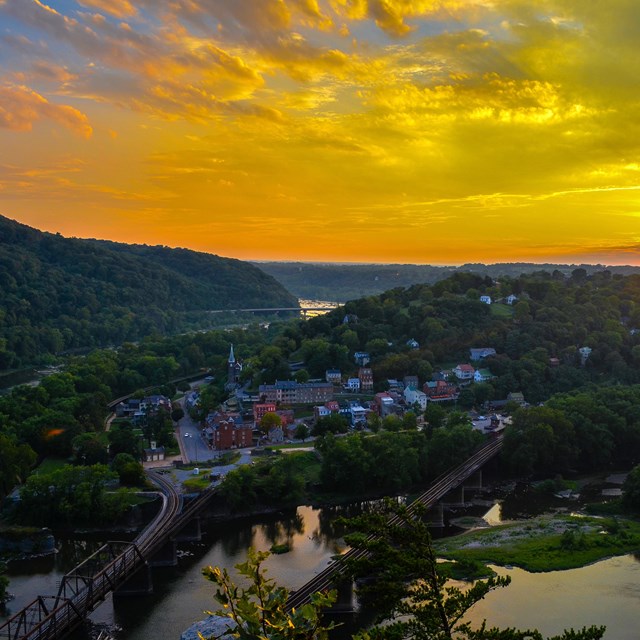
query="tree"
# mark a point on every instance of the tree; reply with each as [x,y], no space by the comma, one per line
[129,470]
[90,448]
[407,586]
[631,490]
[434,414]
[270,421]
[177,414]
[258,611]
[16,461]
[302,431]
[334,423]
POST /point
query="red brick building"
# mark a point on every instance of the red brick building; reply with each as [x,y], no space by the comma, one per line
[260,408]
[366,378]
[229,435]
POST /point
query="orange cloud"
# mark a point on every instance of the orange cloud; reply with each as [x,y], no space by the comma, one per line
[21,107]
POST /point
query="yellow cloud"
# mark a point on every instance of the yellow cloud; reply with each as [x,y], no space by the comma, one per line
[117,8]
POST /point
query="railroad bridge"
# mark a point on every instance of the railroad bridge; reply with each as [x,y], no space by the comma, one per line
[123,568]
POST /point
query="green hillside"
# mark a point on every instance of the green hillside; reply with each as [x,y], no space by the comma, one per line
[60,293]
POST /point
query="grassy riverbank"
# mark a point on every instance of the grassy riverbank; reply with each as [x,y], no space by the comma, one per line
[546,543]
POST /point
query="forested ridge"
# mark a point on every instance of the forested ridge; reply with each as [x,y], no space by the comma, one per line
[342,282]
[60,293]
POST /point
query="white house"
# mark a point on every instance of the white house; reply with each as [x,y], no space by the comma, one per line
[353,384]
[413,344]
[464,372]
[485,299]
[512,299]
[358,413]
[415,396]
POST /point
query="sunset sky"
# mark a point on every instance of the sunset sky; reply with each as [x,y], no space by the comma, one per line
[428,131]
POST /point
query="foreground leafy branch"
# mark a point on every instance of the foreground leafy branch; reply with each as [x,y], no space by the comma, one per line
[258,611]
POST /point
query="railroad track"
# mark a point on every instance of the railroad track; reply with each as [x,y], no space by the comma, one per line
[53,617]
[328,578]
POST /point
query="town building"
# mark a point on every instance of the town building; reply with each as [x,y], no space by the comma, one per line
[480,353]
[334,376]
[440,391]
[227,431]
[362,358]
[411,381]
[260,408]
[291,392]
[485,299]
[353,384]
[234,369]
[413,396]
[365,375]
[464,372]
[384,404]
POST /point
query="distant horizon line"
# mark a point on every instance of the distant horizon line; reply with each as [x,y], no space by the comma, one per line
[326,262]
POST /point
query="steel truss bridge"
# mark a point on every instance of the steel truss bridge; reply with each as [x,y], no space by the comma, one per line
[87,585]
[107,570]
[330,577]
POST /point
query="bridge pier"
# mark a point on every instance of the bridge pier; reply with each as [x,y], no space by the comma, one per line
[166,556]
[192,531]
[139,584]
[474,481]
[344,602]
[454,498]
[435,516]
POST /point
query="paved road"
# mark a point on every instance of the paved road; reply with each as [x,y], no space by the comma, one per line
[192,445]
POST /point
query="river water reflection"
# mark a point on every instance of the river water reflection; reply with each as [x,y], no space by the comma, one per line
[605,593]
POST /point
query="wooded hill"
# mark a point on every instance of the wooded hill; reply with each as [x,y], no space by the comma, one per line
[60,293]
[342,282]
[537,339]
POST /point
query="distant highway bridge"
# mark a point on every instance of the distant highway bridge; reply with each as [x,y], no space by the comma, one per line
[115,563]
[304,310]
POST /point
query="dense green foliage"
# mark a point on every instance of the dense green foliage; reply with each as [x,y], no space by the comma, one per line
[281,481]
[426,608]
[585,430]
[390,462]
[342,282]
[71,496]
[357,464]
[58,293]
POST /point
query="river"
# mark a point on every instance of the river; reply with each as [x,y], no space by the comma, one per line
[607,592]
